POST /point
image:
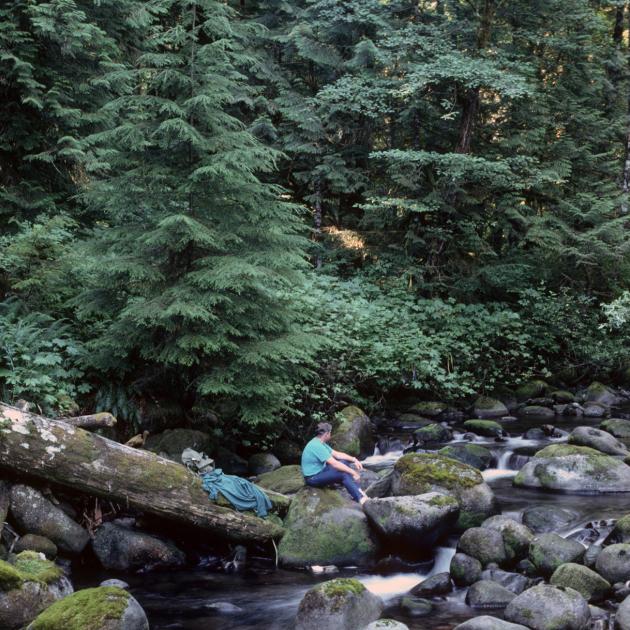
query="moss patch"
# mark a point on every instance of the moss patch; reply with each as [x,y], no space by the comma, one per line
[483,427]
[442,501]
[423,471]
[565,450]
[88,609]
[32,567]
[341,587]
[10,577]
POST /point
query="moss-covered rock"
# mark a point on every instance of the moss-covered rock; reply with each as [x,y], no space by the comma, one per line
[531,389]
[433,433]
[34,566]
[474,455]
[562,397]
[353,433]
[488,594]
[323,527]
[32,542]
[341,604]
[429,409]
[516,536]
[616,426]
[465,570]
[569,468]
[548,551]
[620,532]
[613,563]
[487,428]
[10,577]
[599,440]
[418,473]
[101,608]
[537,411]
[589,584]
[487,408]
[600,393]
[484,544]
[286,480]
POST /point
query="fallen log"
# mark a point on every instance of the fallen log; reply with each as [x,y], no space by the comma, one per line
[93,420]
[77,459]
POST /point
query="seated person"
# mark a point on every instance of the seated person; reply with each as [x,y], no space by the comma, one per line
[322,466]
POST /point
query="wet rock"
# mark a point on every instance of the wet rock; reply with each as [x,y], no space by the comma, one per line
[536,411]
[388,444]
[569,468]
[616,426]
[341,604]
[395,564]
[546,607]
[535,433]
[433,433]
[613,563]
[474,455]
[415,606]
[323,527]
[261,463]
[381,487]
[590,555]
[541,519]
[488,594]
[353,434]
[527,568]
[114,582]
[103,607]
[386,624]
[620,532]
[548,551]
[599,393]
[562,396]
[573,410]
[622,618]
[516,536]
[488,408]
[430,409]
[286,480]
[484,544]
[597,439]
[172,442]
[514,582]
[34,514]
[465,569]
[438,584]
[418,473]
[124,549]
[487,428]
[40,544]
[485,622]
[412,523]
[409,421]
[595,410]
[589,584]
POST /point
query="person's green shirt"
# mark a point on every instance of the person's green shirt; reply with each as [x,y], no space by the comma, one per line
[314,457]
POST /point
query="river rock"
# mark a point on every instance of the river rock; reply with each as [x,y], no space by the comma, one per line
[548,551]
[27,587]
[622,618]
[599,393]
[415,606]
[514,582]
[381,487]
[562,396]
[478,457]
[537,411]
[34,514]
[124,549]
[488,408]
[546,607]
[485,622]
[620,532]
[324,527]
[432,434]
[569,468]
[465,570]
[418,473]
[341,604]
[386,624]
[541,519]
[40,544]
[590,555]
[616,426]
[353,433]
[488,594]
[531,389]
[487,428]
[412,523]
[172,442]
[429,409]
[484,544]
[613,563]
[103,607]
[261,463]
[597,439]
[286,480]
[594,410]
[516,536]
[389,444]
[438,584]
[589,584]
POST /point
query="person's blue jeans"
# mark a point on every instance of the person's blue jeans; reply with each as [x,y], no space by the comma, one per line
[329,476]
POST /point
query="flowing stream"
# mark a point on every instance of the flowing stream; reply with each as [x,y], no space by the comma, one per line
[266,597]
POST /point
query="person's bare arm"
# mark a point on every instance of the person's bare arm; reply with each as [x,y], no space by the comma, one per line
[348,458]
[335,463]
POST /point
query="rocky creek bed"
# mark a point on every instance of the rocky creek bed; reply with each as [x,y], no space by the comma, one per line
[488,520]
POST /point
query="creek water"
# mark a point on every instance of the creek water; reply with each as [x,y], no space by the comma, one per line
[266,597]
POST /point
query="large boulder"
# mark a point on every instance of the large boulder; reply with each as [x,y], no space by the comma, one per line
[487,428]
[488,594]
[341,604]
[465,570]
[616,426]
[599,440]
[484,544]
[324,527]
[103,607]
[599,393]
[438,584]
[261,463]
[35,514]
[514,582]
[121,548]
[418,473]
[613,563]
[485,622]
[537,411]
[474,455]
[546,607]
[589,584]
[622,618]
[27,587]
[353,433]
[568,468]
[172,442]
[541,519]
[620,532]
[286,480]
[432,434]
[489,408]
[412,524]
[516,536]
[548,551]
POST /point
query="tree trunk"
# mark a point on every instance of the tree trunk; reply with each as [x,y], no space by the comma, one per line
[71,457]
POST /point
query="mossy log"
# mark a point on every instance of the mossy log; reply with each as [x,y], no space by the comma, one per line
[75,458]
[94,420]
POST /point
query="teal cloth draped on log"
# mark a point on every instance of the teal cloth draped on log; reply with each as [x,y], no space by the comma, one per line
[242,494]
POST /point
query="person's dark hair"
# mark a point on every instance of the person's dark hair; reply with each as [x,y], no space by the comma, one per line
[322,428]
